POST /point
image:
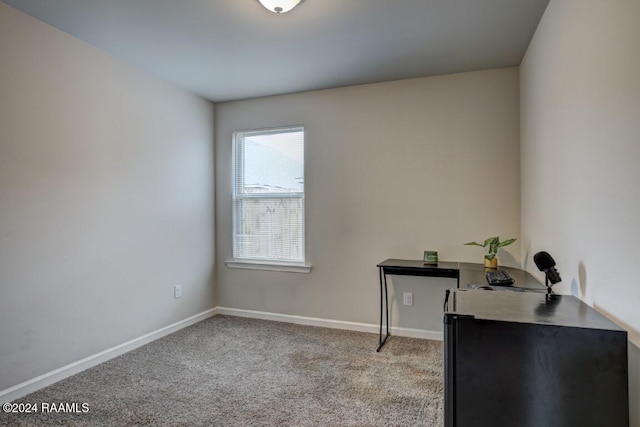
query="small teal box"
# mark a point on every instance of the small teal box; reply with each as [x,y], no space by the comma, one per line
[430,257]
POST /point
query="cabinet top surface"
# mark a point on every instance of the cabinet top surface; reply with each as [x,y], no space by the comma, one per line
[525,307]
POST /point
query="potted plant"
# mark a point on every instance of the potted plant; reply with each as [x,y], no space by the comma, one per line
[490,259]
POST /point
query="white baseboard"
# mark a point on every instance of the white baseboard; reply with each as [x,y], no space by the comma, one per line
[56,375]
[329,323]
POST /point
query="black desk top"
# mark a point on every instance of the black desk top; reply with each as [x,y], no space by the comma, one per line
[467,272]
[419,268]
[475,274]
[411,263]
[526,307]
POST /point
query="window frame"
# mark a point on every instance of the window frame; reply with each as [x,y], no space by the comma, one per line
[237,182]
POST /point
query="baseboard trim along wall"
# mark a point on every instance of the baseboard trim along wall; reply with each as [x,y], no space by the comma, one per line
[329,323]
[56,375]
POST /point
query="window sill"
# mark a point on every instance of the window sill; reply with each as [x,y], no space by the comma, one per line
[269,266]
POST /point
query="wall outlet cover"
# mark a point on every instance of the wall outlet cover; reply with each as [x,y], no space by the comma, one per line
[408,298]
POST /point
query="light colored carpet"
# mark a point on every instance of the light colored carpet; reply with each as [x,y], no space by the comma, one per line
[231,371]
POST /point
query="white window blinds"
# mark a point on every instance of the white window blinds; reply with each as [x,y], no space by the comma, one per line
[268,197]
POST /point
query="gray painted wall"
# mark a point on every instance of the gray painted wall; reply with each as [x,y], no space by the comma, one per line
[106,201]
[392,169]
[107,182]
[580,122]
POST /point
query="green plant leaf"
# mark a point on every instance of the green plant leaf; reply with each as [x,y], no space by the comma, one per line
[491,240]
[506,242]
[493,243]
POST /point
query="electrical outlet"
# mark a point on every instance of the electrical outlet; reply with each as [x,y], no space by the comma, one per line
[408,298]
[177,291]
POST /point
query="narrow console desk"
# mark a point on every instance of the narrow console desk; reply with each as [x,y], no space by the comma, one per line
[464,272]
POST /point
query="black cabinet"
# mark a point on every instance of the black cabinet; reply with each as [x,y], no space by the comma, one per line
[532,359]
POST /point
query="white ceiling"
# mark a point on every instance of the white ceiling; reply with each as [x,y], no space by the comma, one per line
[234,49]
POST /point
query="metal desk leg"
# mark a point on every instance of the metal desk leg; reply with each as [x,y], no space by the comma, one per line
[383,292]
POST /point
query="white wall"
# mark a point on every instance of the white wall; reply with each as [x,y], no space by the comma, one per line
[106,200]
[580,133]
[392,169]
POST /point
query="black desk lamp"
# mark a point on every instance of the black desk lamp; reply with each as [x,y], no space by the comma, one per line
[546,263]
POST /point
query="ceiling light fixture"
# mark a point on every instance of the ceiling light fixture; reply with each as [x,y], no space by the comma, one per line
[279,6]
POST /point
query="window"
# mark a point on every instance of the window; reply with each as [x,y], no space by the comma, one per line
[268,196]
